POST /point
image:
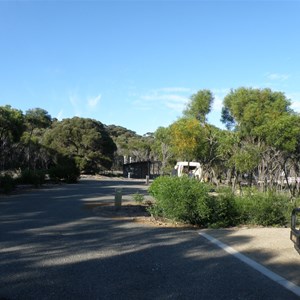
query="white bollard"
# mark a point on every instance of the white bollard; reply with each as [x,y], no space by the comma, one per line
[118,198]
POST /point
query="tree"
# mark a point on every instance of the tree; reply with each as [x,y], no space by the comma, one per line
[267,130]
[248,109]
[199,105]
[36,120]
[207,152]
[186,138]
[283,135]
[11,130]
[11,123]
[162,146]
[86,140]
[130,144]
[125,140]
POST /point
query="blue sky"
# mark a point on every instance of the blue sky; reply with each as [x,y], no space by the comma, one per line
[136,63]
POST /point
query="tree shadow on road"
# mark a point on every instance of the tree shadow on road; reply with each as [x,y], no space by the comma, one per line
[53,249]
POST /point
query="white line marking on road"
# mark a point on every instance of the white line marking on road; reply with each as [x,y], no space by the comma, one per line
[260,268]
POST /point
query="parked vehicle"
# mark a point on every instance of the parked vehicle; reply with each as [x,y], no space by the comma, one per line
[192,169]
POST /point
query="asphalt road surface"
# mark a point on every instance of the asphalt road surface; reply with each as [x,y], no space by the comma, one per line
[51,247]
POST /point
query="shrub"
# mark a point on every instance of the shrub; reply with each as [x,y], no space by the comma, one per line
[266,209]
[188,200]
[36,177]
[7,183]
[67,171]
[138,198]
[181,199]
[225,211]
[269,209]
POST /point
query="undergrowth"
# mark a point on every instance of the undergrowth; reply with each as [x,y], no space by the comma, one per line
[190,201]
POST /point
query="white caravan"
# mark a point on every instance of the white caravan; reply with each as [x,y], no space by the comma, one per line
[192,169]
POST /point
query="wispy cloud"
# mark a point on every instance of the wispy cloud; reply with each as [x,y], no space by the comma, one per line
[174,90]
[171,101]
[82,106]
[74,100]
[174,98]
[166,97]
[277,76]
[92,102]
[60,115]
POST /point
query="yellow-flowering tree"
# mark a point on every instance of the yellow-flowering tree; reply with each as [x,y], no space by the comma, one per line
[186,137]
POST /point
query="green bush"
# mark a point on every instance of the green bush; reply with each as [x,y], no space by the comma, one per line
[267,209]
[36,177]
[138,198]
[225,211]
[188,200]
[65,171]
[7,183]
[181,199]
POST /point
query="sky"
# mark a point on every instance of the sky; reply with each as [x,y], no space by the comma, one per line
[137,63]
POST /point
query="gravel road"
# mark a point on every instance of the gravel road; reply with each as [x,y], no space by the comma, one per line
[52,247]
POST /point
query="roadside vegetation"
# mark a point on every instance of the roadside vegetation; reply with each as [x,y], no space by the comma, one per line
[253,165]
[36,148]
[186,200]
[250,172]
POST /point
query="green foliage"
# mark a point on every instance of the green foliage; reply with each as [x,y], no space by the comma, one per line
[266,209]
[119,131]
[245,158]
[7,183]
[225,211]
[181,199]
[85,140]
[138,198]
[11,130]
[187,200]
[186,138]
[36,177]
[11,123]
[66,170]
[37,118]
[228,142]
[249,109]
[282,132]
[199,105]
[162,148]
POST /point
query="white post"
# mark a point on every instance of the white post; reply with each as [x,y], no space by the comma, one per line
[118,198]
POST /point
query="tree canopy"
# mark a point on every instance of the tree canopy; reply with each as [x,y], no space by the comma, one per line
[262,140]
[186,138]
[249,109]
[199,105]
[84,139]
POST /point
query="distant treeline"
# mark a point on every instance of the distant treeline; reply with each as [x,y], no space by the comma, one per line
[261,145]
[34,140]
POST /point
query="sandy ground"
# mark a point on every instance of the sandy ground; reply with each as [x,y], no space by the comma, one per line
[271,247]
